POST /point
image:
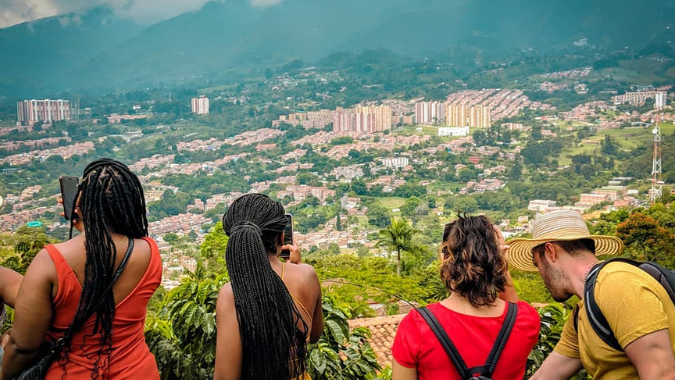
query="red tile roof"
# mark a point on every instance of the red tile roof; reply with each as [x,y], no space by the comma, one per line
[384,331]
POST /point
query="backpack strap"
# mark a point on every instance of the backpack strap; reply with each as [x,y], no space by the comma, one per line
[502,338]
[447,344]
[496,352]
[595,317]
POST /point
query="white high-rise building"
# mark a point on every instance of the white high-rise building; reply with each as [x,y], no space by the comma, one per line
[429,112]
[465,116]
[200,105]
[660,100]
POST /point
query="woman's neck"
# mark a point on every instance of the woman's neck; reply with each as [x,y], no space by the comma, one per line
[460,304]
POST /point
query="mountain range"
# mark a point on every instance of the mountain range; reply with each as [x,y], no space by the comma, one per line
[96,48]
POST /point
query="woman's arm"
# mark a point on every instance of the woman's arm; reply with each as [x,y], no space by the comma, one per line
[509,294]
[228,341]
[400,372]
[33,314]
[10,281]
[317,318]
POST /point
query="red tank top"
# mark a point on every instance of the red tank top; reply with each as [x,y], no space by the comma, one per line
[130,357]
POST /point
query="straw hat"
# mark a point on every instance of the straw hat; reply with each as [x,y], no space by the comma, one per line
[564,225]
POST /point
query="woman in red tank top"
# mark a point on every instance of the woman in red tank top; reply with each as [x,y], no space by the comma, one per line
[74,279]
[475,271]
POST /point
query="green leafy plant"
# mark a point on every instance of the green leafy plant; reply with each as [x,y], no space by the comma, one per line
[341,354]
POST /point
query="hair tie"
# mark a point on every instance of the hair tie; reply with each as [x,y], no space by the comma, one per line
[246,225]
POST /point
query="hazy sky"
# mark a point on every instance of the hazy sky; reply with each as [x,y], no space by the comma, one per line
[17,11]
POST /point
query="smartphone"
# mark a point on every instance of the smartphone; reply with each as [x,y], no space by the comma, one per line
[288,236]
[68,194]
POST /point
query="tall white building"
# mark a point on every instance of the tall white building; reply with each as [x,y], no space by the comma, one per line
[429,112]
[363,119]
[200,105]
[465,116]
[31,111]
[660,100]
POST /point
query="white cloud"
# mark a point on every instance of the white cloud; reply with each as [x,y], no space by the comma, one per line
[17,11]
[265,3]
[146,11]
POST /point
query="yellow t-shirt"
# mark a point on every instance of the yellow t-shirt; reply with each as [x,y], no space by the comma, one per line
[634,304]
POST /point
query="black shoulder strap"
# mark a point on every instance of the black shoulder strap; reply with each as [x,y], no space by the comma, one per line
[496,352]
[502,338]
[447,344]
[79,322]
[595,317]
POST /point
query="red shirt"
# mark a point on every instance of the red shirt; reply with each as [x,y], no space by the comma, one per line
[416,346]
[130,357]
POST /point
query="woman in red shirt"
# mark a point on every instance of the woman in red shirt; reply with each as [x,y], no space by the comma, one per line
[76,279]
[476,273]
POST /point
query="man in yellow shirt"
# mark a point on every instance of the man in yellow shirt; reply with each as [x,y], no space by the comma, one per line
[637,308]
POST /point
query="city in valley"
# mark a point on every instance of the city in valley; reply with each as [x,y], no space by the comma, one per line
[344,172]
[380,131]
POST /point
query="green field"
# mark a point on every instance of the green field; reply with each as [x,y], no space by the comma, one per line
[627,138]
[391,202]
[641,71]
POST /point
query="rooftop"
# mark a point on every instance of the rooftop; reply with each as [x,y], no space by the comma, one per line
[384,331]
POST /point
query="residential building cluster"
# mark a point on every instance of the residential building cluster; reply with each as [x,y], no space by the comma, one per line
[254,137]
[347,172]
[639,98]
[243,139]
[389,183]
[153,162]
[259,187]
[308,120]
[485,184]
[118,119]
[294,167]
[387,143]
[294,155]
[191,168]
[63,151]
[324,138]
[363,119]
[330,235]
[586,111]
[182,223]
[576,73]
[299,192]
[39,143]
[551,87]
[503,103]
[395,162]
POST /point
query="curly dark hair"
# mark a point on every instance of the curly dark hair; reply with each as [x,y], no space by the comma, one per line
[473,265]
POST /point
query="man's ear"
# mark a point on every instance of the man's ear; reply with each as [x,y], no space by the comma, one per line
[551,253]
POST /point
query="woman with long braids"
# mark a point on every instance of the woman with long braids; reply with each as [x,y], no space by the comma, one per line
[269,310]
[74,280]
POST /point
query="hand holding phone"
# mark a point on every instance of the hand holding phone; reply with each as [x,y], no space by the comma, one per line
[288,236]
[68,195]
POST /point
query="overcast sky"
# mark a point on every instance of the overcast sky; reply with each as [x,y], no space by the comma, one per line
[146,11]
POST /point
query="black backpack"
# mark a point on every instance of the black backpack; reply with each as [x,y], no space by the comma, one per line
[664,276]
[483,372]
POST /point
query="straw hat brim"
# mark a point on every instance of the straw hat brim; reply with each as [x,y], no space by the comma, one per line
[520,250]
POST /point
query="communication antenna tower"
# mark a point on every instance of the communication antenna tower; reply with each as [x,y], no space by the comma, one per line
[657,179]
